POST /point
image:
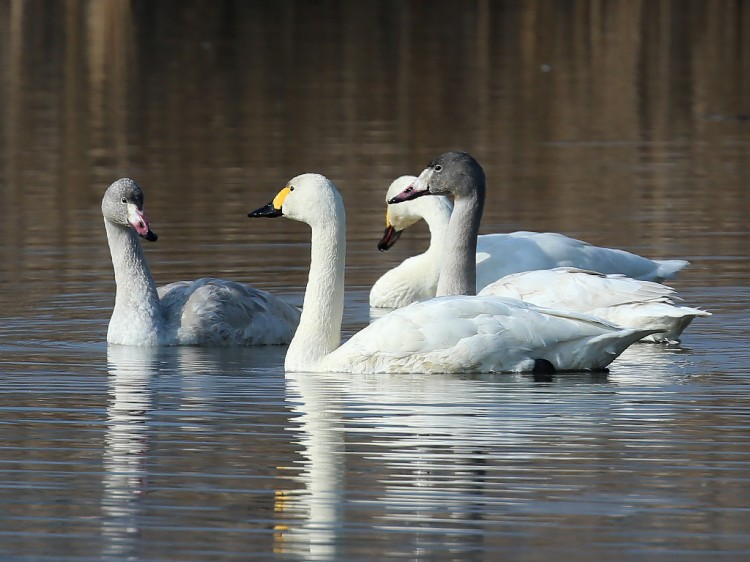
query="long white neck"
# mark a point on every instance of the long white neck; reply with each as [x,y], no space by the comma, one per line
[437,215]
[458,275]
[319,331]
[137,316]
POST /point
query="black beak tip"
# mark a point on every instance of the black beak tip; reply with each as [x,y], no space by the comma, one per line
[408,194]
[268,211]
[150,236]
[389,238]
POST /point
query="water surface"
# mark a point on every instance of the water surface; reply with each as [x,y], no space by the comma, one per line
[622,123]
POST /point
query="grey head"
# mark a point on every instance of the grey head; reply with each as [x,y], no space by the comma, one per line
[456,174]
[122,204]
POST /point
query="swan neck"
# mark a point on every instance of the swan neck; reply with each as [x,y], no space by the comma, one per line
[458,275]
[136,297]
[319,330]
[438,216]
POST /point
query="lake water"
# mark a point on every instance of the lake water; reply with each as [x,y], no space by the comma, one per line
[624,123]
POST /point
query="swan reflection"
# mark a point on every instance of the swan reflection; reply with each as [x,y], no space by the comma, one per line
[437,448]
[127,445]
[320,503]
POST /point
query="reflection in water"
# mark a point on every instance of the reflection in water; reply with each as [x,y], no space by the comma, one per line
[647,364]
[186,433]
[131,370]
[154,392]
[320,503]
[447,451]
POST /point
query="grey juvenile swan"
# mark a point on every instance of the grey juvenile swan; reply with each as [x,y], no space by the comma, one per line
[208,312]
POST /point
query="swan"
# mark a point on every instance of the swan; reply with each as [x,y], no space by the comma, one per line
[497,254]
[452,334]
[210,312]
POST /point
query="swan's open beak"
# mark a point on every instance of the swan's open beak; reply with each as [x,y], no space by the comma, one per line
[420,187]
[268,211]
[389,238]
[139,222]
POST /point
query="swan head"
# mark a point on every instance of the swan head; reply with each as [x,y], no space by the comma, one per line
[456,174]
[400,216]
[308,198]
[122,204]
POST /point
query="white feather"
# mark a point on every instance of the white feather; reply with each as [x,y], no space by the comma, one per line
[615,298]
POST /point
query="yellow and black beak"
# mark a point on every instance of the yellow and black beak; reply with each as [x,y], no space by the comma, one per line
[274,208]
[389,238]
[268,211]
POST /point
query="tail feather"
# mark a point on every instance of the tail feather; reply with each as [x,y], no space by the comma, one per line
[669,268]
[614,346]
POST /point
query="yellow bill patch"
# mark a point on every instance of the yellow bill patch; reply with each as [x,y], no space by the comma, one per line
[278,201]
[387,218]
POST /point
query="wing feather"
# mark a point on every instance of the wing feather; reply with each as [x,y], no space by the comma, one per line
[217,312]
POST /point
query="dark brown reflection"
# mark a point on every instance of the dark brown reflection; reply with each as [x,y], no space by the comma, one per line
[625,122]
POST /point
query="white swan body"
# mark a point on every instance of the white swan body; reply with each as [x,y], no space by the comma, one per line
[447,335]
[209,312]
[497,255]
[615,298]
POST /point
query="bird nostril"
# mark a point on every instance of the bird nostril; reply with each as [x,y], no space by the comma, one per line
[141,224]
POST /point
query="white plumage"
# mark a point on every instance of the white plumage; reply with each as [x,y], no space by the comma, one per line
[615,298]
[457,334]
[464,334]
[497,255]
[208,312]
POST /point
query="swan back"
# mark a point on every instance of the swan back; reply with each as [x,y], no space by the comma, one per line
[618,299]
[460,334]
[218,312]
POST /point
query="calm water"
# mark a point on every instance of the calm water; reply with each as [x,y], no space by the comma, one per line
[624,123]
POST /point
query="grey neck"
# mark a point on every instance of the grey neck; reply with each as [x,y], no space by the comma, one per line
[458,275]
[135,285]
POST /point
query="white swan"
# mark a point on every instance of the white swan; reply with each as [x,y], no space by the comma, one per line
[456,334]
[416,278]
[203,312]
[616,298]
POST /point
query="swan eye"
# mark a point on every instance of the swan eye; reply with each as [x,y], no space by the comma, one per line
[438,168]
[124,200]
[291,188]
